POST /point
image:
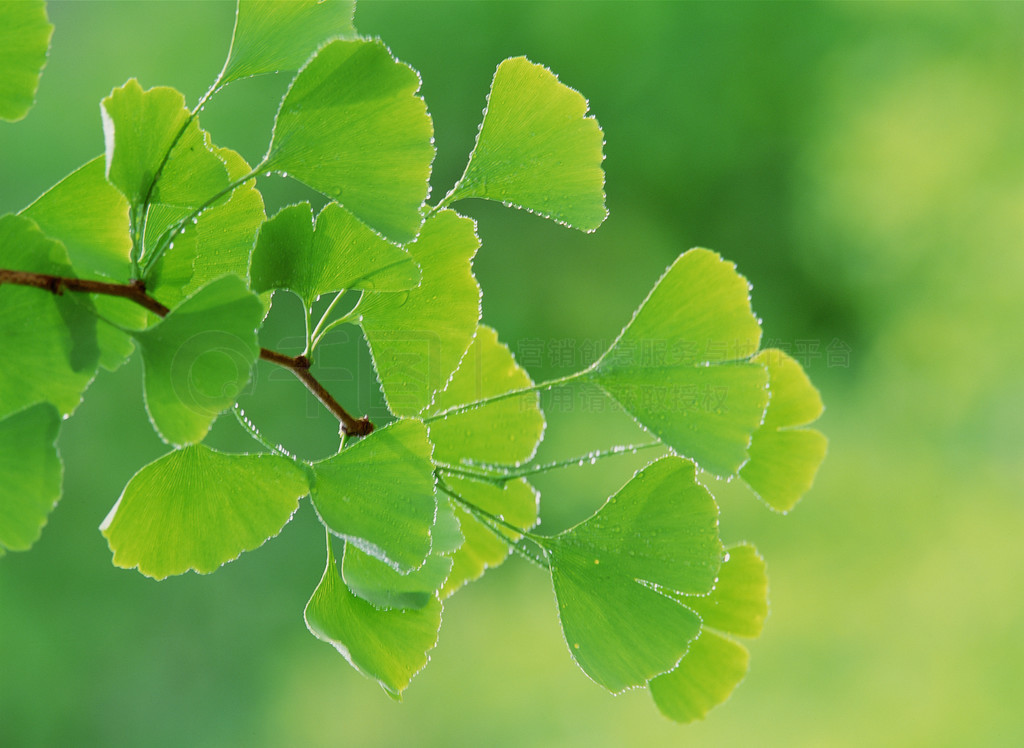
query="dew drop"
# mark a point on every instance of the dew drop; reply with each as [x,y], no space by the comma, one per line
[284,174]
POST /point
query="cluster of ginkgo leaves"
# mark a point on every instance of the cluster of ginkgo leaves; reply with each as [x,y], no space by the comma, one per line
[162,245]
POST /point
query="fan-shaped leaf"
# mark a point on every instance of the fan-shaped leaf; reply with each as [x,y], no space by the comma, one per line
[505,432]
[97,238]
[681,366]
[353,128]
[30,474]
[708,674]
[659,532]
[272,36]
[199,509]
[379,494]
[333,253]
[783,457]
[390,646]
[418,337]
[49,343]
[715,663]
[98,245]
[24,40]
[139,128]
[381,585]
[536,149]
[199,357]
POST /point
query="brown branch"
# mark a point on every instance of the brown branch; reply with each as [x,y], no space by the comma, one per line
[136,292]
[55,284]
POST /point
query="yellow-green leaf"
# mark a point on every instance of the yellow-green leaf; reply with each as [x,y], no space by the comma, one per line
[682,365]
[537,149]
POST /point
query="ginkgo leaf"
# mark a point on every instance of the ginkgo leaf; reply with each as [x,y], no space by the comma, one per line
[384,587]
[219,242]
[537,149]
[352,127]
[716,663]
[505,432]
[712,668]
[199,357]
[30,474]
[379,494]
[97,239]
[24,40]
[272,36]
[155,151]
[682,365]
[418,337]
[515,502]
[784,458]
[99,246]
[738,604]
[332,253]
[197,509]
[49,347]
[611,573]
[390,646]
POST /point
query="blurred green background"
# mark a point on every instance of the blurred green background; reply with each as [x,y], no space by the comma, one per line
[863,163]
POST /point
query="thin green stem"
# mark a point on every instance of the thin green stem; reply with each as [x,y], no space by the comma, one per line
[540,387]
[307,314]
[495,478]
[318,331]
[526,549]
[255,433]
[484,514]
[498,474]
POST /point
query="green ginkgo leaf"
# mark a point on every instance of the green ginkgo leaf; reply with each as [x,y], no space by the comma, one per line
[514,501]
[712,668]
[219,242]
[384,587]
[390,646]
[379,494]
[352,127]
[140,127]
[97,240]
[739,603]
[418,337]
[537,149]
[30,474]
[197,509]
[784,458]
[682,365]
[99,246]
[199,357]
[505,432]
[272,36]
[716,663]
[24,40]
[611,573]
[332,253]
[49,346]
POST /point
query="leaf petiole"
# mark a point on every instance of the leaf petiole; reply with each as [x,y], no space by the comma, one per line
[499,475]
[540,387]
[492,520]
[323,327]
